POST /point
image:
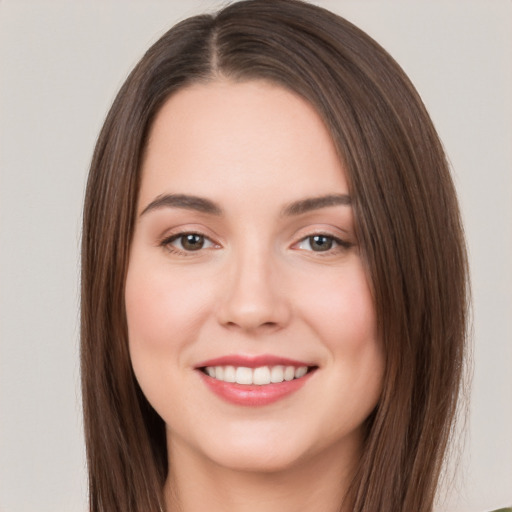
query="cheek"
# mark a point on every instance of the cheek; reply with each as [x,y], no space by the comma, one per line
[162,309]
[341,311]
[149,328]
[149,322]
[164,313]
[341,308]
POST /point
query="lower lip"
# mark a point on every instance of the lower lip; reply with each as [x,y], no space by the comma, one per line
[252,395]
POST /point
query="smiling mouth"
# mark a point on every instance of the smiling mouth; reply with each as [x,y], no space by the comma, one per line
[259,376]
[254,380]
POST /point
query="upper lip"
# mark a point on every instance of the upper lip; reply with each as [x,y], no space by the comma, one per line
[252,361]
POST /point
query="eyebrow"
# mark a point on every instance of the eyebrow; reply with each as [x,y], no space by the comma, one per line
[315,203]
[187,202]
[204,205]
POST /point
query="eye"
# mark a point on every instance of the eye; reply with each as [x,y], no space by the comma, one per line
[322,243]
[187,242]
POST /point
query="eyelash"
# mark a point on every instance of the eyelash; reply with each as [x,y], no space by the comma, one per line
[167,243]
[340,245]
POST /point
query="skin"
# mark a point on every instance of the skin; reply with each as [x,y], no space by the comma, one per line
[258,286]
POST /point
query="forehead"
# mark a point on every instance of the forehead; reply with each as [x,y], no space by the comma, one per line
[224,138]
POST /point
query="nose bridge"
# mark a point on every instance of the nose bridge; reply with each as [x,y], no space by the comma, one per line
[252,297]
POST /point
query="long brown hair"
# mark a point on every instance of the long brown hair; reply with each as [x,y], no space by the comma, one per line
[406,216]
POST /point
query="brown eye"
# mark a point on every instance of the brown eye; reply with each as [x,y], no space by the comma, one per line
[191,241]
[183,243]
[320,243]
[323,243]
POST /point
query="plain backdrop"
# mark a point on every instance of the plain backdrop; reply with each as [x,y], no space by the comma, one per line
[61,63]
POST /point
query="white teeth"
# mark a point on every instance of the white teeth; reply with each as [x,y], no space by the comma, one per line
[229,374]
[277,374]
[243,375]
[289,373]
[301,371]
[261,376]
[258,376]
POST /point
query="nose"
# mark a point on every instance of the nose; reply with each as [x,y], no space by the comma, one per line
[253,298]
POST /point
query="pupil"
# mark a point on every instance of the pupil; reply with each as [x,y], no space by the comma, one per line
[192,242]
[320,243]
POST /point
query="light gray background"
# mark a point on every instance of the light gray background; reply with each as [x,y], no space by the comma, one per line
[61,64]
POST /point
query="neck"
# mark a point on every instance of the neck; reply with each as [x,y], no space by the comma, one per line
[319,483]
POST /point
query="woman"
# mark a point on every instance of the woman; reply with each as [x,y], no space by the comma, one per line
[274,277]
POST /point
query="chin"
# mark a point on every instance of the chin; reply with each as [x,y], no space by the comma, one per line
[260,453]
[256,460]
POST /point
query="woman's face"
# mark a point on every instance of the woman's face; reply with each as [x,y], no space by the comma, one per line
[245,267]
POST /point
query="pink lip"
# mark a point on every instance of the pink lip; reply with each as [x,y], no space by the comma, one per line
[252,361]
[253,395]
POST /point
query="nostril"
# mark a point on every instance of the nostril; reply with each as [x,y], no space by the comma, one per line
[253,326]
